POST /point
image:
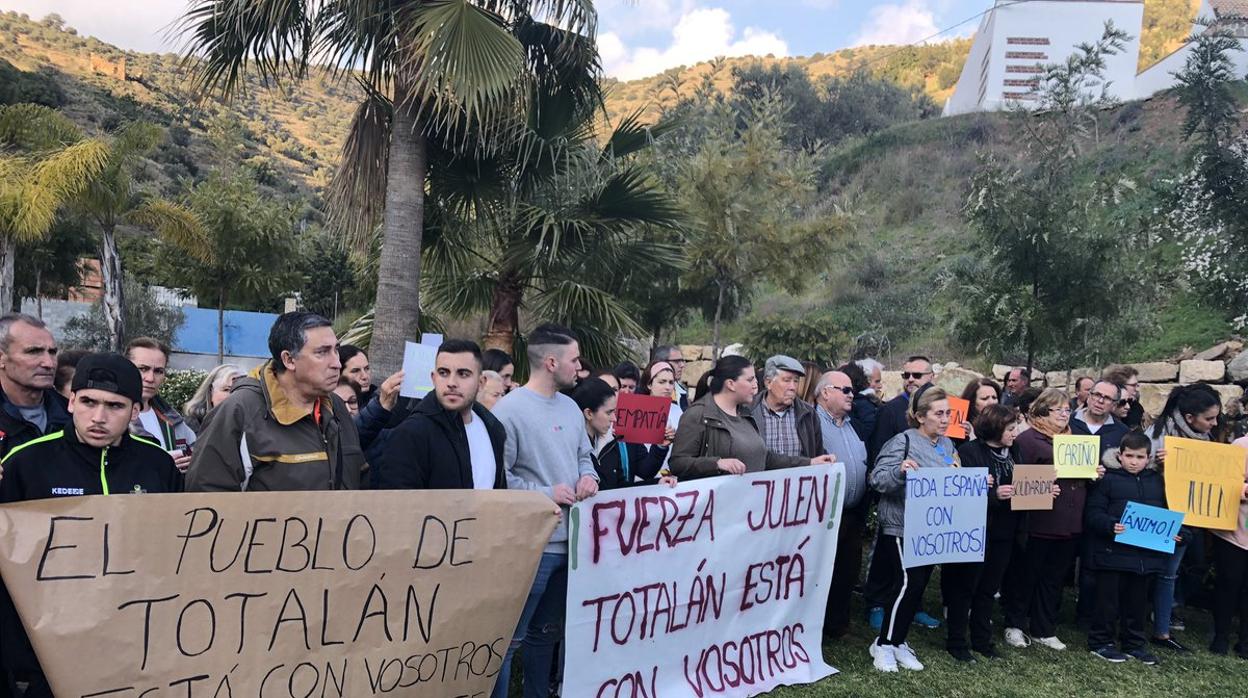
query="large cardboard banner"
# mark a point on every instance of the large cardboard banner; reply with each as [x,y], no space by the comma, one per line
[716,587]
[261,594]
[1204,481]
[946,516]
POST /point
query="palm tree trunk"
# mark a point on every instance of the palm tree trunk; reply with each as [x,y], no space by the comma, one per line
[397,308]
[114,297]
[220,326]
[719,312]
[8,290]
[504,321]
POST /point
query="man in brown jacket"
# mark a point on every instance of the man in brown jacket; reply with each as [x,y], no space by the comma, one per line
[285,429]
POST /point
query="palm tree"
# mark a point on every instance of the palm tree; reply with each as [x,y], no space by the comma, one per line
[450,68]
[112,199]
[556,225]
[45,163]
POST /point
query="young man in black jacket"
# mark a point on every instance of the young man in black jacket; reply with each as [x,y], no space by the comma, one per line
[94,454]
[449,441]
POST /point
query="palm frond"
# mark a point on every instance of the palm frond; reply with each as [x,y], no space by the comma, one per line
[35,127]
[357,35]
[630,196]
[276,36]
[135,141]
[176,224]
[55,180]
[360,333]
[458,64]
[631,135]
[571,300]
[357,192]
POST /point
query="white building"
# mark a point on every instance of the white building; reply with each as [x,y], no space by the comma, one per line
[1016,38]
[1160,75]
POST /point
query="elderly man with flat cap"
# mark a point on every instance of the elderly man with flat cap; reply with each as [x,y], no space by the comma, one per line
[789,425]
[94,454]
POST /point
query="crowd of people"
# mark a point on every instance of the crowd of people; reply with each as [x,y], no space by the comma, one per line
[312,418]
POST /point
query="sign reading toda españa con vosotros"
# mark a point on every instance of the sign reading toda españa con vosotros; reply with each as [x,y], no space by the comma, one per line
[946,516]
[264,594]
[716,587]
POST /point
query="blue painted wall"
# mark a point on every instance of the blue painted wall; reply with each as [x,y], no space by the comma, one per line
[246,333]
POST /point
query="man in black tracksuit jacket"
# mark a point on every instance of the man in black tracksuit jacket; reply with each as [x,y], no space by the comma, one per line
[94,454]
[431,449]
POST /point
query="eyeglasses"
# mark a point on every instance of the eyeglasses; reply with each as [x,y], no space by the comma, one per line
[914,375]
[1100,396]
[847,391]
[1061,410]
[940,450]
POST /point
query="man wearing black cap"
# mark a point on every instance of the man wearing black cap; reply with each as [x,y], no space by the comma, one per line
[94,454]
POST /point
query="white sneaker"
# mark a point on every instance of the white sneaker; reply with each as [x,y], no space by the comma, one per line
[907,658]
[1016,638]
[884,656]
[1050,642]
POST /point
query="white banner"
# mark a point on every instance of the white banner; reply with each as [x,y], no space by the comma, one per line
[716,587]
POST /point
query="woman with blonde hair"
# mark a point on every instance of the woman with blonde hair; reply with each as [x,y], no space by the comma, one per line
[211,392]
[923,445]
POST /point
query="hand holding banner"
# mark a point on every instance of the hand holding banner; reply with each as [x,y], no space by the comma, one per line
[958,410]
[1149,527]
[1033,487]
[1204,480]
[641,419]
[1076,457]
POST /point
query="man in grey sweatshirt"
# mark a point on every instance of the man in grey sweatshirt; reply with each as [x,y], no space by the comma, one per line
[547,451]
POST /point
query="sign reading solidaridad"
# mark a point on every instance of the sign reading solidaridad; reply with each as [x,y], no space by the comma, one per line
[248,594]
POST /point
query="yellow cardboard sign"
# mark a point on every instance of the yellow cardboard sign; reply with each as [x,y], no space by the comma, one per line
[1076,456]
[1204,481]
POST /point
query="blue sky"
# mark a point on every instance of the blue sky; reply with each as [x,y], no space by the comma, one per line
[637,37]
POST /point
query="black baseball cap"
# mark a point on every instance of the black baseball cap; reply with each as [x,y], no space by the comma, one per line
[110,372]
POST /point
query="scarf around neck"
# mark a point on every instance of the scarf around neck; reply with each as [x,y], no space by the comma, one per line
[1177,426]
[1048,426]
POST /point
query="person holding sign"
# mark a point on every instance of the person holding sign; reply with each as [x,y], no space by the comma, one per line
[449,441]
[618,464]
[1230,555]
[719,436]
[659,380]
[1052,536]
[546,451]
[94,455]
[1191,412]
[979,394]
[1098,418]
[924,444]
[1123,572]
[996,426]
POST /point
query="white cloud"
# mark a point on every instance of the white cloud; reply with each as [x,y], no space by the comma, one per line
[898,24]
[700,34]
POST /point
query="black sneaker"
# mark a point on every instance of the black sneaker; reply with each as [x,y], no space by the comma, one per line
[1169,643]
[989,652]
[1176,622]
[962,655]
[1110,654]
[1144,657]
[1220,646]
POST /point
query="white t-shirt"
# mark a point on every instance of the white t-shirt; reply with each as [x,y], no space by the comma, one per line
[481,450]
[151,424]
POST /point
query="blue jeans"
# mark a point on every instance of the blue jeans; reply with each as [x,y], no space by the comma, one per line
[540,628]
[1163,592]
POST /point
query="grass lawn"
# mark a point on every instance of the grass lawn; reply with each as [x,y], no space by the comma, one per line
[1035,671]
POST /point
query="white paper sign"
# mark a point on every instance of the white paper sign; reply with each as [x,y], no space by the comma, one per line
[418,363]
[716,587]
[431,340]
[946,516]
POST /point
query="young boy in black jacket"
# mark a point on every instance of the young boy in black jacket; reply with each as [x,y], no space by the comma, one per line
[1123,572]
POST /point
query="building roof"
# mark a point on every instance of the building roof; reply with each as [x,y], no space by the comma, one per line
[1223,8]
